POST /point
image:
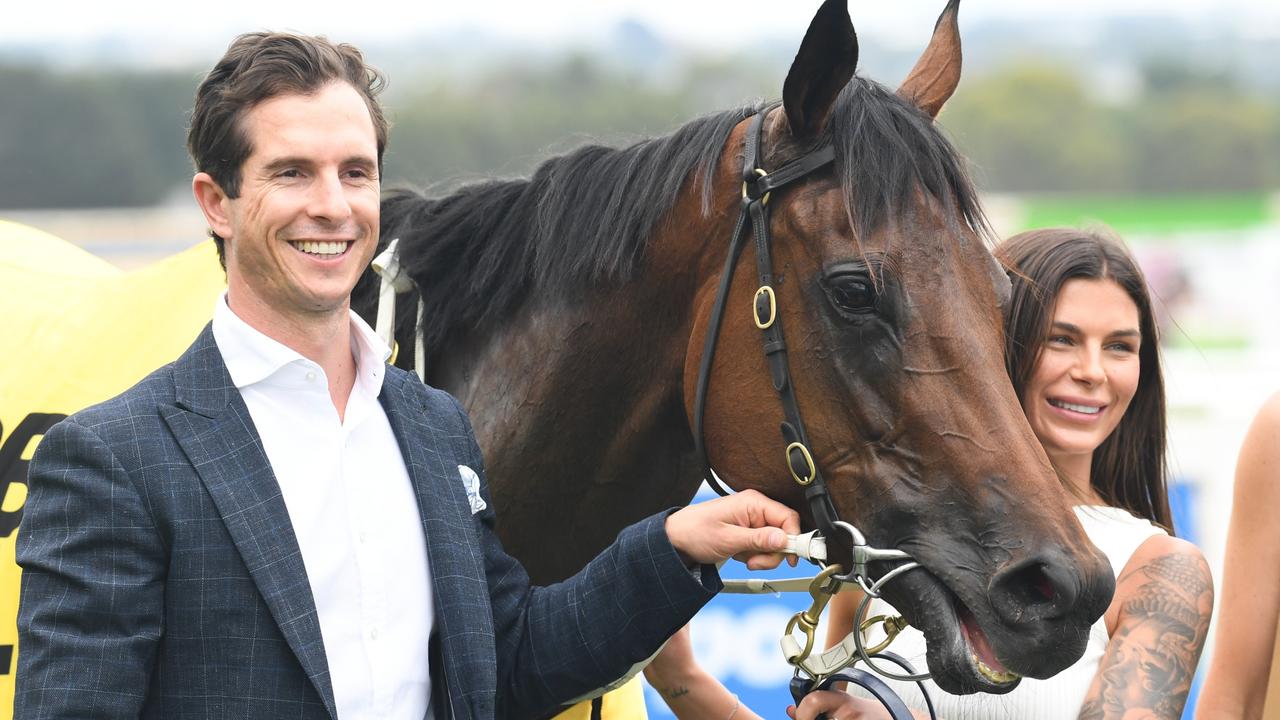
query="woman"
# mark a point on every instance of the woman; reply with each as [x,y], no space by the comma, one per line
[1082,353]
[1245,653]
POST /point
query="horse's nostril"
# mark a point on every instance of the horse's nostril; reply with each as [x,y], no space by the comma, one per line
[1032,585]
[1035,589]
[1045,588]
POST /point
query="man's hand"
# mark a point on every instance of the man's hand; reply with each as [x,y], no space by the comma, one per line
[746,526]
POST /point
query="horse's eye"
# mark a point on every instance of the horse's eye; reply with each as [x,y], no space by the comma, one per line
[852,294]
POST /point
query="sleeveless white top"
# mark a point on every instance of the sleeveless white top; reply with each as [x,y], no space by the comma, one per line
[1118,535]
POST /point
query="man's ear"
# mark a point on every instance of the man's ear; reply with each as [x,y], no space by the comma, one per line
[213,202]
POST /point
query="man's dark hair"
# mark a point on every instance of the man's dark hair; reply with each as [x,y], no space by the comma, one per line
[257,67]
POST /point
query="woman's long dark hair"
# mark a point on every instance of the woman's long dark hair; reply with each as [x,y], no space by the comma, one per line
[1129,469]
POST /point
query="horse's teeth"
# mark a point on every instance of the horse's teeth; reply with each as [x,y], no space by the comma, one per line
[994,675]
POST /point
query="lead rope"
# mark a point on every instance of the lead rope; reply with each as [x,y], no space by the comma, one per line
[394,282]
[821,671]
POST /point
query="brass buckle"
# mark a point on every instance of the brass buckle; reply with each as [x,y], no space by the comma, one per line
[764,200]
[765,291]
[808,458]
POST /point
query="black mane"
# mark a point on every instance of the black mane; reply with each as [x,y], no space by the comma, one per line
[587,216]
[583,217]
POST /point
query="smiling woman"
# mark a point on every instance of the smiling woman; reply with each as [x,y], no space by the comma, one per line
[1082,331]
[1082,351]
[1085,376]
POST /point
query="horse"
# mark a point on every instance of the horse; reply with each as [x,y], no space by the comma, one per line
[568,312]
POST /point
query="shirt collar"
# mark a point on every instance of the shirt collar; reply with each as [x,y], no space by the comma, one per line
[371,353]
[251,356]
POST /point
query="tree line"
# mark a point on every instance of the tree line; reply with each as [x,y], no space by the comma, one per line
[114,137]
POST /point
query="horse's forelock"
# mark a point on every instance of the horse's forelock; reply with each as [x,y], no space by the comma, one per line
[887,151]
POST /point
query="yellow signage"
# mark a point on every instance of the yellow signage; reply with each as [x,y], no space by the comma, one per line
[76,330]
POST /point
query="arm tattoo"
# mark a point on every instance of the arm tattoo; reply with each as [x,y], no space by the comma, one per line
[1092,709]
[673,693]
[1152,658]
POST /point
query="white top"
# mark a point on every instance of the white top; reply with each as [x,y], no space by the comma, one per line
[1118,535]
[353,511]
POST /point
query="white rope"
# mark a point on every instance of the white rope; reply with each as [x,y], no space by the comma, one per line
[395,281]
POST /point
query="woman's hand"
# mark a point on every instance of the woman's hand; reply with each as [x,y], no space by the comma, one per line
[841,706]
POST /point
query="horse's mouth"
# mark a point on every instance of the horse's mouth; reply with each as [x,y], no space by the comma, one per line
[980,651]
[960,655]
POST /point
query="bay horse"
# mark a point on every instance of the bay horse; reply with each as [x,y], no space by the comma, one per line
[567,312]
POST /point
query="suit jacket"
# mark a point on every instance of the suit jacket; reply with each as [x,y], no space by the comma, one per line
[162,578]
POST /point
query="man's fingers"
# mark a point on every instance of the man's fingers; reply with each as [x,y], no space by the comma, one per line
[778,515]
[761,561]
[763,540]
[771,512]
[758,548]
[744,525]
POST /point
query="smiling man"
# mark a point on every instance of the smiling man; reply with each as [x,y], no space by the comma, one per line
[278,524]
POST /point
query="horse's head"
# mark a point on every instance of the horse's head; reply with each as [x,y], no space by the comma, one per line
[892,308]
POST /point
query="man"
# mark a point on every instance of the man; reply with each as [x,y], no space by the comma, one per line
[280,525]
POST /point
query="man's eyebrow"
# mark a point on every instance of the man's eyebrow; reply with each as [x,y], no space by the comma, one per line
[363,162]
[287,161]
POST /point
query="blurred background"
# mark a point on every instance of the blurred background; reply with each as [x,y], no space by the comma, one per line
[1159,119]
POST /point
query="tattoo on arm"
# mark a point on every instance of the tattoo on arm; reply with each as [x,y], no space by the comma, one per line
[1152,658]
[673,693]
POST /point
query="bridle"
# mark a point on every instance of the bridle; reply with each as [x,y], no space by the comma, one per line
[757,184]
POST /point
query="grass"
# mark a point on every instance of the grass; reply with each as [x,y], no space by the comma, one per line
[1164,214]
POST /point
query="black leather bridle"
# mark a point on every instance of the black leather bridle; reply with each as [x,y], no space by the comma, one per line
[757,184]
[756,187]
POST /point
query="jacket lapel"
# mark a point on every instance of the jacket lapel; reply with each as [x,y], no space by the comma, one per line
[463,618]
[212,424]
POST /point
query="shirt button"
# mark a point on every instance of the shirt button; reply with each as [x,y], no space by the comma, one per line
[311,376]
[373,634]
[363,536]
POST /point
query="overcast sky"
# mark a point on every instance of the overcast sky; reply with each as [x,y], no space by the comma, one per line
[696,22]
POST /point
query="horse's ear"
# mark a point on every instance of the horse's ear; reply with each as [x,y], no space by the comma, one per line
[937,72]
[824,65]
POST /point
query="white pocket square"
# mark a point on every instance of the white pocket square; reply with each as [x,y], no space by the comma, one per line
[471,482]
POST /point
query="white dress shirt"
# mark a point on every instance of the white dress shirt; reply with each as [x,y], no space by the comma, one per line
[353,511]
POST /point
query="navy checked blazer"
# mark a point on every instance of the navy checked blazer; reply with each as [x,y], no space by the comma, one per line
[162,578]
